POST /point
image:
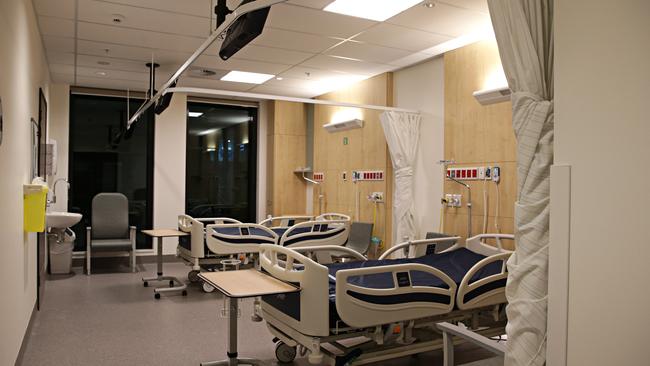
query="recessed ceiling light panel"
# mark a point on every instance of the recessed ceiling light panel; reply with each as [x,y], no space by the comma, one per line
[195,114]
[378,10]
[247,77]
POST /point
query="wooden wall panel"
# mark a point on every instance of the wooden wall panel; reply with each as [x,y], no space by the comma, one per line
[287,138]
[366,150]
[477,135]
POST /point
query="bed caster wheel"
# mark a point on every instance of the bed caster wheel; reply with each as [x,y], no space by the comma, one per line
[145,284]
[171,283]
[156,296]
[193,276]
[207,288]
[184,293]
[285,353]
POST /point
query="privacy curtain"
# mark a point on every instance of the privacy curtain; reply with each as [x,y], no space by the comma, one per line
[402,131]
[524,33]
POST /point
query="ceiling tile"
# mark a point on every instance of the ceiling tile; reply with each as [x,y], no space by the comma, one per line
[57,27]
[315,4]
[141,54]
[297,41]
[62,78]
[314,21]
[412,59]
[348,66]
[395,36]
[58,44]
[60,58]
[140,38]
[213,84]
[308,73]
[214,62]
[62,69]
[193,7]
[442,19]
[143,18]
[288,92]
[367,52]
[273,55]
[477,5]
[115,63]
[138,77]
[110,83]
[58,8]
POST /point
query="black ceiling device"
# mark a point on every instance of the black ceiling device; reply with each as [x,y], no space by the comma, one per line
[245,29]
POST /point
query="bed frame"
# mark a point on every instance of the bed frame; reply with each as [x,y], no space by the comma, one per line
[363,317]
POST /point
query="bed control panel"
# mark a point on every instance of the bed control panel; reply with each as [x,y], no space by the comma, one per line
[403,279]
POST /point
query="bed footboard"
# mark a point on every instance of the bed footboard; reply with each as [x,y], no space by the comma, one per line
[397,298]
[316,233]
[307,312]
[226,239]
[485,291]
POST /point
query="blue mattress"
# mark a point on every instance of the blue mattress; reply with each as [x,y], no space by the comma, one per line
[454,264]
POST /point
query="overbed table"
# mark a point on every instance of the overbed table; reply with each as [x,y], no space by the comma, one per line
[238,285]
[159,234]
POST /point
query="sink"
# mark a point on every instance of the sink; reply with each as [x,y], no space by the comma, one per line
[62,220]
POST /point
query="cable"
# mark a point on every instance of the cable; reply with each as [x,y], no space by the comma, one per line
[497,229]
[485,206]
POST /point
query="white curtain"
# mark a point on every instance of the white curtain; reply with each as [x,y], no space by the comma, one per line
[524,33]
[402,131]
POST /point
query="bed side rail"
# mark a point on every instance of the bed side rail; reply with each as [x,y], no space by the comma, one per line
[285,221]
[477,244]
[325,254]
[485,291]
[362,306]
[333,216]
[288,265]
[417,248]
[226,239]
[316,233]
[185,222]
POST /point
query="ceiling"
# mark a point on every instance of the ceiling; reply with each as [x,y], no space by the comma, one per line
[313,51]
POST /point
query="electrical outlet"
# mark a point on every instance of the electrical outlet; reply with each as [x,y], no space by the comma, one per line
[376,197]
[481,172]
[496,174]
[344,176]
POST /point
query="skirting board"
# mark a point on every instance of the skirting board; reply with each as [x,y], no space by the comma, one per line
[28,331]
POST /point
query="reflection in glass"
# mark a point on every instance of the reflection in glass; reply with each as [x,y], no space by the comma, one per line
[221,161]
[100,162]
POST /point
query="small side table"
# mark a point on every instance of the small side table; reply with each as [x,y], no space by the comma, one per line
[159,234]
[238,285]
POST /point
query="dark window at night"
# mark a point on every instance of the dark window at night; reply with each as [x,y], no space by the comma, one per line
[100,162]
[221,161]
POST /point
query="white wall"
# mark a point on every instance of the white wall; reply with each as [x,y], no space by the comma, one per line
[169,168]
[59,109]
[601,128]
[23,70]
[421,87]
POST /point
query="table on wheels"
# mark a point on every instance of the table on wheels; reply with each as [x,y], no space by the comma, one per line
[237,285]
[159,234]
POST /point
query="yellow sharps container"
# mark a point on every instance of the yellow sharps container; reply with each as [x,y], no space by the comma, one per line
[34,201]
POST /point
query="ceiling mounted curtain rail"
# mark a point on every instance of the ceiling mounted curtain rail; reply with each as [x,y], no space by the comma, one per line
[256,96]
[219,33]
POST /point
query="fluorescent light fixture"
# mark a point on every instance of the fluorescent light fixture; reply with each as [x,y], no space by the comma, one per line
[195,114]
[378,10]
[247,77]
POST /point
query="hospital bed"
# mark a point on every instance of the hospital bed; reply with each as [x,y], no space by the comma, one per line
[381,309]
[215,241]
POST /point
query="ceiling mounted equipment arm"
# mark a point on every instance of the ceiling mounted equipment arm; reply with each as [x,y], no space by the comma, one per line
[218,33]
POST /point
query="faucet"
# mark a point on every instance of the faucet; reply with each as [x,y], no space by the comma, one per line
[54,188]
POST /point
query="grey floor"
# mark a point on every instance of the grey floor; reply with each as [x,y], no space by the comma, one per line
[109,318]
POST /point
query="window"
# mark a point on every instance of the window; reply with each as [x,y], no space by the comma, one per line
[100,161]
[221,169]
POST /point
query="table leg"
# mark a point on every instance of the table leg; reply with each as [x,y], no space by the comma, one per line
[233,359]
[159,275]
